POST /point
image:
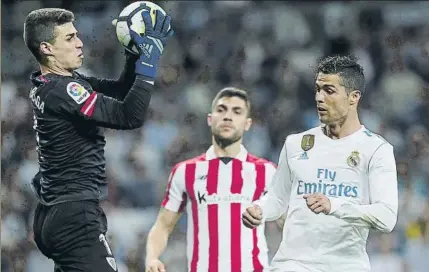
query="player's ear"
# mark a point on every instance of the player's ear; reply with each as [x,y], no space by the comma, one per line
[209,119]
[46,48]
[354,97]
[249,122]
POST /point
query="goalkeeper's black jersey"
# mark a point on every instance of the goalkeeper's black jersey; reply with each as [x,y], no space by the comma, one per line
[70,113]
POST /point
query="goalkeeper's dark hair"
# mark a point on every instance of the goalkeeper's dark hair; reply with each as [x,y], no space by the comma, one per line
[346,67]
[233,92]
[40,26]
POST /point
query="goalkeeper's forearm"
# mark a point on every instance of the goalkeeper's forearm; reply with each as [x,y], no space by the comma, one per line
[156,243]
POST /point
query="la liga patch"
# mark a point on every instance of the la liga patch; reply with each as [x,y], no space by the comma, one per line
[77,92]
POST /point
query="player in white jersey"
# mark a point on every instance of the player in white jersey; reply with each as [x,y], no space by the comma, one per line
[216,188]
[336,181]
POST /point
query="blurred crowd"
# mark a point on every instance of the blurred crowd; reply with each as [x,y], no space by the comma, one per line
[268,48]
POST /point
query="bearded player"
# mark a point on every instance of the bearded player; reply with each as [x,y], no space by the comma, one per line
[215,188]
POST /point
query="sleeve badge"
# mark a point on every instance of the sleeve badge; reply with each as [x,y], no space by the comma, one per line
[77,92]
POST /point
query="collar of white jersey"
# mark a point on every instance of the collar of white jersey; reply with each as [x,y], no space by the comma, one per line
[242,155]
[346,138]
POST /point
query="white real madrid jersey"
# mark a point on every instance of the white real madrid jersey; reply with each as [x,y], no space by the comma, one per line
[358,175]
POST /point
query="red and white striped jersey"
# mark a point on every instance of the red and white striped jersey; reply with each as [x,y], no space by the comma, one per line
[215,194]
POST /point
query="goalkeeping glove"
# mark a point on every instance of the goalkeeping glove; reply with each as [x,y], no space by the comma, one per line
[151,44]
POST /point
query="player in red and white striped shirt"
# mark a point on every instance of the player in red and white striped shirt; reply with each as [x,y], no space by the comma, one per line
[216,188]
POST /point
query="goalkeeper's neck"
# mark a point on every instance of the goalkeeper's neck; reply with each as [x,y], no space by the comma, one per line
[55,69]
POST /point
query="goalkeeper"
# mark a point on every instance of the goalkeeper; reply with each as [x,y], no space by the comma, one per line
[70,111]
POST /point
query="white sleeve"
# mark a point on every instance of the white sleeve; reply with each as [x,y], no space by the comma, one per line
[275,203]
[382,212]
[270,170]
[175,195]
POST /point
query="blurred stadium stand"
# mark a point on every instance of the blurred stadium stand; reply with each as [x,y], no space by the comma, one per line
[268,48]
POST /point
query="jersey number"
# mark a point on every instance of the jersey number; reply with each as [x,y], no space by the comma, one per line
[35,130]
[103,239]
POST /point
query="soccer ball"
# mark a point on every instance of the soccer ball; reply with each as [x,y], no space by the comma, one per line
[130,18]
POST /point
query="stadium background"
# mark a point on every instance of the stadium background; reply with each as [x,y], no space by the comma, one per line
[268,48]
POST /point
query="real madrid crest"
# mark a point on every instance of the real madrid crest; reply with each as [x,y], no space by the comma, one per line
[353,160]
[307,142]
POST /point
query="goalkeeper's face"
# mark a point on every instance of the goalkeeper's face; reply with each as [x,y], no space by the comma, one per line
[334,103]
[66,50]
[229,120]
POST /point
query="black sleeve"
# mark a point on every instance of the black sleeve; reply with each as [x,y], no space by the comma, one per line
[74,102]
[119,88]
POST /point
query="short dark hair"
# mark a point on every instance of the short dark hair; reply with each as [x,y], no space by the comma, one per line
[232,92]
[350,72]
[40,26]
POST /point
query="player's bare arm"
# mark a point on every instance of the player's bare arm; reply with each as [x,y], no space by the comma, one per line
[169,213]
[158,238]
[281,221]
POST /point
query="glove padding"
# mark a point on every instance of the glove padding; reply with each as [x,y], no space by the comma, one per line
[151,44]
